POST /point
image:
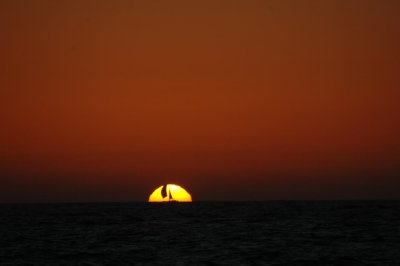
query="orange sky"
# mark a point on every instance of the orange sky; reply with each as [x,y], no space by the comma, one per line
[234,100]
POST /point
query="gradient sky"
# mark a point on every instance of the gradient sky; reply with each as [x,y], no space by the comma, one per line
[234,100]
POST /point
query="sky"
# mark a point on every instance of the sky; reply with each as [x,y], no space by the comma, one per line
[233,100]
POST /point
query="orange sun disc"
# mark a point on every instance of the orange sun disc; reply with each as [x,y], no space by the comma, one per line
[170,193]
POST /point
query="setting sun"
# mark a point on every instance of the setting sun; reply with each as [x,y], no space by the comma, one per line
[170,193]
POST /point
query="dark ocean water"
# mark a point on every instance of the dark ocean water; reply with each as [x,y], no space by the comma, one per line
[204,233]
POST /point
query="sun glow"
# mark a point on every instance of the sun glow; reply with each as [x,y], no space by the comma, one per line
[170,193]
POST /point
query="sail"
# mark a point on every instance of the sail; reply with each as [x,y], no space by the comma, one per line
[170,195]
[164,191]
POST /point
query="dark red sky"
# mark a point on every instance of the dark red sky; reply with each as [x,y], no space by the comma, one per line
[234,100]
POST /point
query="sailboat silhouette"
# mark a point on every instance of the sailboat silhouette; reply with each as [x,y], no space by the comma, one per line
[168,194]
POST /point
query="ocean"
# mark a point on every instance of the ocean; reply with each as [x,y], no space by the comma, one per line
[201,233]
